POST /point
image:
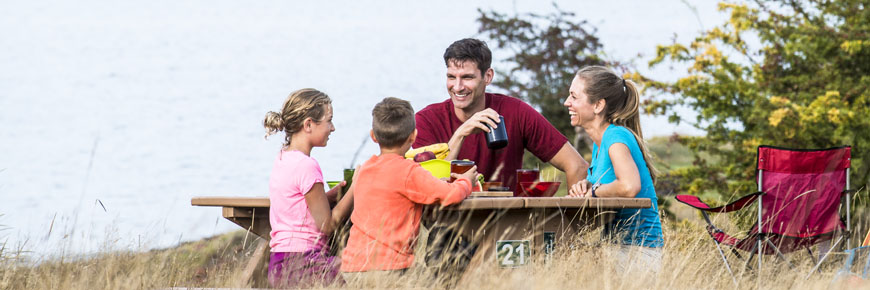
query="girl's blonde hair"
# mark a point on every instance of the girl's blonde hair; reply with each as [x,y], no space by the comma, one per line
[301,104]
[622,103]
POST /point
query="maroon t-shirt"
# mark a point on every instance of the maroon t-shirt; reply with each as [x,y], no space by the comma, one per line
[526,129]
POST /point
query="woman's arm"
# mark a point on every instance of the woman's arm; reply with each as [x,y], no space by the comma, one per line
[627,183]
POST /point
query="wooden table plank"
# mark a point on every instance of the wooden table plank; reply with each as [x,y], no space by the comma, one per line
[556,202]
[230,201]
[492,194]
[612,202]
[487,203]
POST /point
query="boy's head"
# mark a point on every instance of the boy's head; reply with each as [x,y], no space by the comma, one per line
[393,122]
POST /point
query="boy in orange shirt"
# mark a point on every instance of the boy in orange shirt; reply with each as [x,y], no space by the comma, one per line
[390,192]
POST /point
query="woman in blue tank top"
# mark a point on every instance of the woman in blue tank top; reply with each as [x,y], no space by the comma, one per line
[606,106]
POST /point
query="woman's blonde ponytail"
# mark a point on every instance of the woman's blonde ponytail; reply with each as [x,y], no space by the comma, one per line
[622,100]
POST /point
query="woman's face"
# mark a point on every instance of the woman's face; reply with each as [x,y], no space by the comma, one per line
[579,108]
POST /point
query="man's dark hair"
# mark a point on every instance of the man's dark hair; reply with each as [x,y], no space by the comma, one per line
[392,122]
[469,49]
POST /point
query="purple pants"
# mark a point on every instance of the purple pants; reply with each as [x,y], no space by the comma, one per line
[302,270]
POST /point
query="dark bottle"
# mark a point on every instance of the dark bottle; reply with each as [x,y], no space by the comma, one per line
[497,138]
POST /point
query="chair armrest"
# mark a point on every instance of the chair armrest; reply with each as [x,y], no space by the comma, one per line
[696,202]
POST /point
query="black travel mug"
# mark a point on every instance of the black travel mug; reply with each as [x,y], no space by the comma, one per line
[497,138]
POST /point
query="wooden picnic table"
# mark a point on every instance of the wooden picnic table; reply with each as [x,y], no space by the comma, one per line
[520,229]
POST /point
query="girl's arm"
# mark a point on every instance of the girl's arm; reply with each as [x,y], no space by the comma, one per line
[332,194]
[327,220]
[627,183]
[318,203]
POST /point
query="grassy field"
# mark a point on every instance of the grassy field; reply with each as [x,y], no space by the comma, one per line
[690,261]
[211,262]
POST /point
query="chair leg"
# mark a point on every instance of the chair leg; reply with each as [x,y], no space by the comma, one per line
[819,264]
[751,255]
[727,266]
[736,254]
[813,257]
[778,253]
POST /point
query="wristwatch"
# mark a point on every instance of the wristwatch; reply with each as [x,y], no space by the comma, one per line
[594,187]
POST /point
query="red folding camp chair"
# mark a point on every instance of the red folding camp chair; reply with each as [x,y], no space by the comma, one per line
[799,196]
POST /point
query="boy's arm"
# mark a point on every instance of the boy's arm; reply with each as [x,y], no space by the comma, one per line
[424,188]
[345,205]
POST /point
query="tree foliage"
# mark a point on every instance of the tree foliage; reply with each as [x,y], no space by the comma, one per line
[784,73]
[545,51]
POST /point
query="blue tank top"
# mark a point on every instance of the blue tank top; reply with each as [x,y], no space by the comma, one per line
[639,227]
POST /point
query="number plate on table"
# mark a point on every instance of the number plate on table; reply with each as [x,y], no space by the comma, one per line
[513,253]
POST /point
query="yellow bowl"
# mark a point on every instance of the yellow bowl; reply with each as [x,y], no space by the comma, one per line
[439,168]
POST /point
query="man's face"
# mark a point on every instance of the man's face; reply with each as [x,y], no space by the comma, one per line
[466,85]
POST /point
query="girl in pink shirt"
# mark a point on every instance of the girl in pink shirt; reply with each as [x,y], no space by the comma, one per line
[299,213]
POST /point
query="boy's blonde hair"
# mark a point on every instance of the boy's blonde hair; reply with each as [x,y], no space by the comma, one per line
[393,122]
[301,104]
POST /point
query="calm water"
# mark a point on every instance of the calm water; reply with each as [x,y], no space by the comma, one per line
[113,115]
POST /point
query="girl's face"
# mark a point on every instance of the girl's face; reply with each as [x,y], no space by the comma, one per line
[579,108]
[321,129]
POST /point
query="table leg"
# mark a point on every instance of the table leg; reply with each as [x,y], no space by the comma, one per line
[254,273]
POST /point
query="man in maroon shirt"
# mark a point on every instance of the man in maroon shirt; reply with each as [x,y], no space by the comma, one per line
[458,120]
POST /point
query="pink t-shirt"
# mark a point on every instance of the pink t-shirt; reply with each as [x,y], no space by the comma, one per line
[293,227]
[526,129]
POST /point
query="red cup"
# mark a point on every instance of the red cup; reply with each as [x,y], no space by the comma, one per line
[525,175]
[460,166]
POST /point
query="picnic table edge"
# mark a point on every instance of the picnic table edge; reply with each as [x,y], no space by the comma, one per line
[471,203]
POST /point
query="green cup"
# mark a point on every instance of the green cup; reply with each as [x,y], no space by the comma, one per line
[333,184]
[348,178]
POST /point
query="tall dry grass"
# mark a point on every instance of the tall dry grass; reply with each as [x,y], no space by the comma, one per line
[212,262]
[690,261]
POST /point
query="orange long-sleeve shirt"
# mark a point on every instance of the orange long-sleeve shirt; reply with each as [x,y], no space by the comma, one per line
[389,194]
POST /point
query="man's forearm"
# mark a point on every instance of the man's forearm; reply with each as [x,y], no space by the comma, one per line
[575,174]
[455,144]
[570,162]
